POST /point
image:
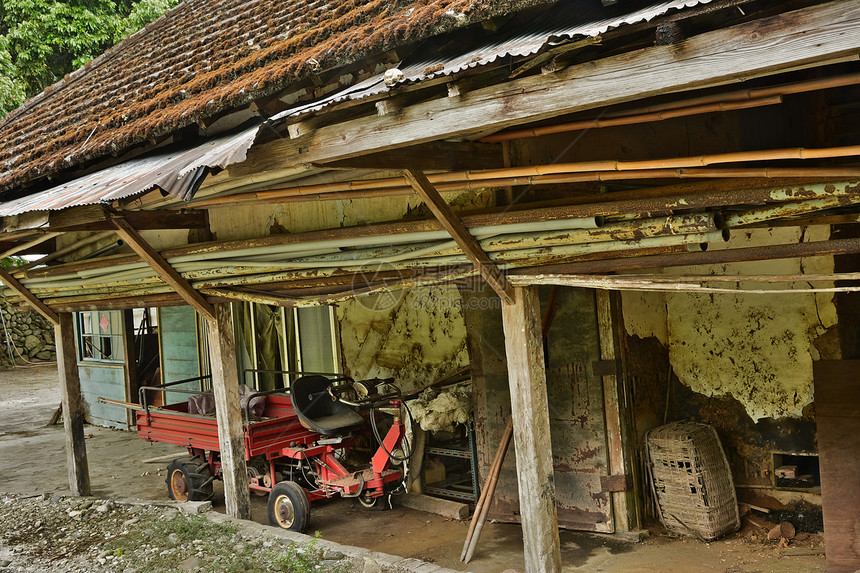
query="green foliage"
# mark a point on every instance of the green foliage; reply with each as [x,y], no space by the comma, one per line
[42,40]
[12,262]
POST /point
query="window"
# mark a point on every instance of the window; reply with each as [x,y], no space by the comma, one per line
[100,336]
[285,339]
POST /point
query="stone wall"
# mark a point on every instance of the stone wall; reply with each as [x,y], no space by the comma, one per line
[30,333]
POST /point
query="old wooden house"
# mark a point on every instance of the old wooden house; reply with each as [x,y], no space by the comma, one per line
[669,187]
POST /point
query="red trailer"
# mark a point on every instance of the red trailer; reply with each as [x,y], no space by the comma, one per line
[292,448]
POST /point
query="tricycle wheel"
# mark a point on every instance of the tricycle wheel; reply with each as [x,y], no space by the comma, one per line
[189,479]
[289,507]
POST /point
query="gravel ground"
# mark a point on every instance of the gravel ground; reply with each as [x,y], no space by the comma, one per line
[52,533]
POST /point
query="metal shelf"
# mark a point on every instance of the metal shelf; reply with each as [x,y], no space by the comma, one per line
[463,486]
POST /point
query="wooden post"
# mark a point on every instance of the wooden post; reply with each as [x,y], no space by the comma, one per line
[231,438]
[73,405]
[530,413]
[623,505]
[129,356]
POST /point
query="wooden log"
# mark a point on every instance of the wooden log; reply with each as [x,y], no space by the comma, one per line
[231,436]
[530,413]
[73,405]
[444,507]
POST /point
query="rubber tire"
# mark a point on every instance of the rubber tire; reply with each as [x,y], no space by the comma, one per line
[292,493]
[198,479]
[380,503]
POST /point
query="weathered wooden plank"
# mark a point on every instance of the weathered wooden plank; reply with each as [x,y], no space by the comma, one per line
[530,412]
[455,227]
[612,409]
[31,299]
[764,46]
[73,405]
[837,416]
[167,273]
[225,385]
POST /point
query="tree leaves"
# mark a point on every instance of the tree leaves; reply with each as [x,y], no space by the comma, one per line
[42,40]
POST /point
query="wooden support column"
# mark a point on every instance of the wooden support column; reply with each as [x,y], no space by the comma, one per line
[623,502]
[73,405]
[458,231]
[530,412]
[231,438]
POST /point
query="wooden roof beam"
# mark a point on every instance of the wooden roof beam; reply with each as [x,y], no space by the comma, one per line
[162,268]
[766,46]
[31,299]
[95,218]
[451,223]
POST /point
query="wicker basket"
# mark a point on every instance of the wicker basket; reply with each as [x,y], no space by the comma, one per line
[691,480]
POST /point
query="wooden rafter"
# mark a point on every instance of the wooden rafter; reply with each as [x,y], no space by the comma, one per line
[96,218]
[162,268]
[31,299]
[488,269]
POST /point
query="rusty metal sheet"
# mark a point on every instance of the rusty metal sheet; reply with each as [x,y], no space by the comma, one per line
[567,21]
[178,173]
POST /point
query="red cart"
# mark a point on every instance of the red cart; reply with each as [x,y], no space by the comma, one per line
[292,450]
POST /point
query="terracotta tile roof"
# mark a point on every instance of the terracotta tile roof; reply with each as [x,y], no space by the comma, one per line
[204,57]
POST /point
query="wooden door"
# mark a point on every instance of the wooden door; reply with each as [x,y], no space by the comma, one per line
[575,395]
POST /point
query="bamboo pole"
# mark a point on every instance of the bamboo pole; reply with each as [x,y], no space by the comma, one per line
[744,254]
[611,283]
[64,251]
[510,176]
[483,506]
[32,243]
[632,119]
[750,94]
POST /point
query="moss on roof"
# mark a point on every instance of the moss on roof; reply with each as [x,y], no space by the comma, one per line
[205,57]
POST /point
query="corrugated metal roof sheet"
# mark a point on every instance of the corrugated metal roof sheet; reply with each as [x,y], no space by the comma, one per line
[566,22]
[178,173]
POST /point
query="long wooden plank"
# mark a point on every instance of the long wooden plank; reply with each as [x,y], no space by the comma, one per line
[764,46]
[455,227]
[231,437]
[73,405]
[31,299]
[837,416]
[530,413]
[167,273]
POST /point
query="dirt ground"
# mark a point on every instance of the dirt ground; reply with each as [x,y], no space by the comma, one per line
[32,460]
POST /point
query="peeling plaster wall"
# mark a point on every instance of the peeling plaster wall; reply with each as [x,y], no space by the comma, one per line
[756,347]
[416,336]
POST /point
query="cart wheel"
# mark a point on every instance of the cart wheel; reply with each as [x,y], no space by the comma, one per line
[380,503]
[189,479]
[289,507]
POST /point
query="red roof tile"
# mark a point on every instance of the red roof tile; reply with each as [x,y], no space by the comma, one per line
[204,57]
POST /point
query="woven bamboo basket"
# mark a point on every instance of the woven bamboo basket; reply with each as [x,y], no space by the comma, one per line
[691,480]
